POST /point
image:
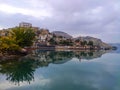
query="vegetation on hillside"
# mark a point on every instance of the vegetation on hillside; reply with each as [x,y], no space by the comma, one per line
[16,39]
[23,36]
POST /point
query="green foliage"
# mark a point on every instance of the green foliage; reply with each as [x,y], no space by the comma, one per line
[52,41]
[66,42]
[23,36]
[17,70]
[90,53]
[90,43]
[83,43]
[16,39]
[8,44]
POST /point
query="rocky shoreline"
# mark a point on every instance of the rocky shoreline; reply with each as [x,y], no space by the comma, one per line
[70,48]
[28,50]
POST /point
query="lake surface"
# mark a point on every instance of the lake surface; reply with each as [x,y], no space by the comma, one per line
[61,70]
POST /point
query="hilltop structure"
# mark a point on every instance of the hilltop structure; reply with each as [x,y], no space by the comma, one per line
[60,40]
[25,24]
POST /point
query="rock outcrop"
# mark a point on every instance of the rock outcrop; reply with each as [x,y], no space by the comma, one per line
[96,41]
[63,34]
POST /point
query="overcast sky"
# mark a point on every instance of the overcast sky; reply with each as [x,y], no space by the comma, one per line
[98,18]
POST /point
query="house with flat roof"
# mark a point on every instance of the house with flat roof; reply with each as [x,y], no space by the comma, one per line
[25,24]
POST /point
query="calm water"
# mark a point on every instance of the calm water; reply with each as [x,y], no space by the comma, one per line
[45,70]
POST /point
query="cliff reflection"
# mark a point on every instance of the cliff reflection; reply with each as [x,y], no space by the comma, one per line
[63,56]
[22,69]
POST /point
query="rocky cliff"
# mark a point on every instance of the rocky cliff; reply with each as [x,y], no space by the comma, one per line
[96,41]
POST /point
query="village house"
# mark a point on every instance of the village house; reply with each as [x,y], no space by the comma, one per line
[4,32]
[25,24]
[44,36]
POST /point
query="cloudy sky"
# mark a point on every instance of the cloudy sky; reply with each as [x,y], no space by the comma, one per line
[98,18]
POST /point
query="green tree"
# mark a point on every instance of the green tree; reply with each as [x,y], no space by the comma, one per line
[23,36]
[90,43]
[52,41]
[83,43]
[66,42]
[7,44]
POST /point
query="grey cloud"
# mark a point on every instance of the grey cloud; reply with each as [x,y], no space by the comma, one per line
[95,17]
[8,21]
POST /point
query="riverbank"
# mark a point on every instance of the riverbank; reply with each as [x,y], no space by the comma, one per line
[28,50]
[57,47]
[11,54]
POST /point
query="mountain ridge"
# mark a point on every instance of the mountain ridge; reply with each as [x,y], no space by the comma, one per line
[96,41]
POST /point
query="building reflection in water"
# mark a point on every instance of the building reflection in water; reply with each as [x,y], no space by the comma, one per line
[22,69]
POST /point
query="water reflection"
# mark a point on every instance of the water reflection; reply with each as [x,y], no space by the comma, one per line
[22,69]
[63,56]
[17,71]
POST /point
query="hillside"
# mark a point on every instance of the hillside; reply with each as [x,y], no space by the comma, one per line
[63,34]
[44,37]
[96,41]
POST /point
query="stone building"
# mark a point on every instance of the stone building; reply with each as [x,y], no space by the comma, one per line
[25,24]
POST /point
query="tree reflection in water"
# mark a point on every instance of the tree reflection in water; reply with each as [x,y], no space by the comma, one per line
[18,71]
[22,69]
